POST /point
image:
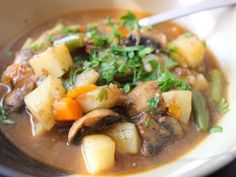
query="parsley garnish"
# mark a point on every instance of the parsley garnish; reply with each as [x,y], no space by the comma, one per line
[127,88]
[216,129]
[171,63]
[70,82]
[129,21]
[147,123]
[167,80]
[172,48]
[4,119]
[223,106]
[142,53]
[103,95]
[187,35]
[153,102]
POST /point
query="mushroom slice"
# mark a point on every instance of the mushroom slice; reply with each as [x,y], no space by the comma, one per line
[153,38]
[89,120]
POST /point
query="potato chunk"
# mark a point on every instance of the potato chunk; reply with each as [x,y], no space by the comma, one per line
[87,77]
[102,97]
[189,50]
[126,137]
[179,103]
[40,100]
[98,153]
[54,61]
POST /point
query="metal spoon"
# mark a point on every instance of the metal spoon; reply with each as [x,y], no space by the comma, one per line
[170,15]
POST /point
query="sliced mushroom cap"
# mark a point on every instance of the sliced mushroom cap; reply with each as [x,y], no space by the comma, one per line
[89,120]
[153,38]
[156,133]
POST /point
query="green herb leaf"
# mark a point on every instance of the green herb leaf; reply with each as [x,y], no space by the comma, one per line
[108,70]
[142,53]
[153,102]
[103,95]
[129,21]
[172,48]
[171,63]
[4,119]
[167,80]
[127,88]
[70,82]
[216,129]
[147,123]
[223,106]
[187,34]
[153,63]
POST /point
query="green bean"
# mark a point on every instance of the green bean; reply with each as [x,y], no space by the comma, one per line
[71,41]
[216,85]
[200,111]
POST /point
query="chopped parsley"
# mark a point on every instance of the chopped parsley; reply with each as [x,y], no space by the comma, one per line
[223,106]
[187,34]
[70,82]
[167,80]
[172,48]
[142,53]
[153,102]
[103,95]
[4,119]
[147,123]
[127,88]
[216,129]
[130,21]
[170,63]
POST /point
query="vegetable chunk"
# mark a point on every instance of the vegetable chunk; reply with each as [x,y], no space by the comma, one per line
[189,50]
[179,103]
[40,100]
[126,137]
[54,61]
[98,153]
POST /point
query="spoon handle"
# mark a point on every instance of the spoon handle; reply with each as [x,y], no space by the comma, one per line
[170,15]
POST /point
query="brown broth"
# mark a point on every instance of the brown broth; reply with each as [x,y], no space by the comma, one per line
[52,149]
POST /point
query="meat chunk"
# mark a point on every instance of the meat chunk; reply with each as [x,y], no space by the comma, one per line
[139,96]
[156,133]
[21,76]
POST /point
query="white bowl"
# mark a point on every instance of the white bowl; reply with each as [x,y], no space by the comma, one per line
[216,27]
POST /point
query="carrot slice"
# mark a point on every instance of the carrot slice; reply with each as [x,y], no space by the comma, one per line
[174,111]
[79,90]
[66,109]
[124,32]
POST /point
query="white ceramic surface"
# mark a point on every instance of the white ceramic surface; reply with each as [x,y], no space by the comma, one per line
[216,27]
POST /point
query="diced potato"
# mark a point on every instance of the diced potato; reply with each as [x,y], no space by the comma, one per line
[87,77]
[101,97]
[98,152]
[179,103]
[39,101]
[190,49]
[126,137]
[54,61]
[201,83]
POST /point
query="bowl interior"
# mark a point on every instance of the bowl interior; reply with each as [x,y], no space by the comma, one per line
[216,27]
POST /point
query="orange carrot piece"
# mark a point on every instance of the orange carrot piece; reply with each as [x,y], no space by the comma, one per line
[79,90]
[174,111]
[66,109]
[124,32]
